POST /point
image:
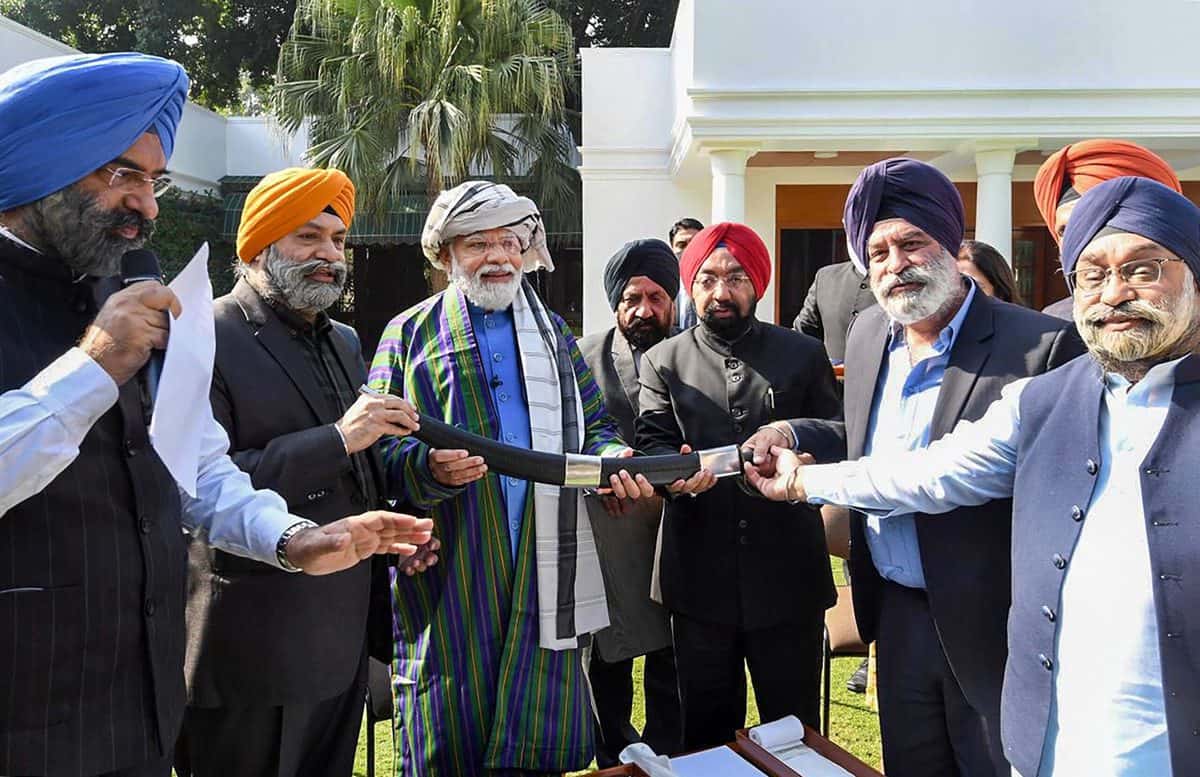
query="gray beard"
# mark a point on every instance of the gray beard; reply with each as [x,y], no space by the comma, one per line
[487,295]
[286,282]
[943,286]
[1168,331]
[72,225]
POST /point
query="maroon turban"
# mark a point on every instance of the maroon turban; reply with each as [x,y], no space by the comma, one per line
[741,241]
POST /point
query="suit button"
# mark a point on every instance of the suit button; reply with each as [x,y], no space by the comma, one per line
[1077,512]
[744,540]
[145,524]
[312,497]
[1048,613]
[735,378]
[1058,561]
[737,428]
[1092,467]
[130,449]
[732,364]
[742,524]
[150,608]
[862,285]
[738,412]
[1047,664]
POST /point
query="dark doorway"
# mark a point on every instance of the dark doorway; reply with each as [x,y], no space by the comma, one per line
[385,280]
[801,253]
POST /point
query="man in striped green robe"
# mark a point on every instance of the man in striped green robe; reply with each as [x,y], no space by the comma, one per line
[476,690]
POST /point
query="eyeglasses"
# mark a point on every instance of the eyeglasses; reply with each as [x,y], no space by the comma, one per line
[477,246]
[128,180]
[1138,274]
[733,281]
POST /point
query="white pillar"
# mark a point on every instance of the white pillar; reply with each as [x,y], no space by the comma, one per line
[993,197]
[729,184]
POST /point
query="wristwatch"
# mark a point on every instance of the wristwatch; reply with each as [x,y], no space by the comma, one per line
[281,545]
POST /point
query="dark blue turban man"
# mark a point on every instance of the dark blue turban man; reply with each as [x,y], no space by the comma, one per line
[1099,458]
[93,557]
[932,593]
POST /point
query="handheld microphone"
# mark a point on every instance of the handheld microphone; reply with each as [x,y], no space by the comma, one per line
[139,265]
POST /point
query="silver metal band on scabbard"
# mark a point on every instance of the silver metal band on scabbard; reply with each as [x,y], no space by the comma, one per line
[582,471]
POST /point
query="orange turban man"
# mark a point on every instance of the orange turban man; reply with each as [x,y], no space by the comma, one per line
[741,241]
[1072,170]
[287,199]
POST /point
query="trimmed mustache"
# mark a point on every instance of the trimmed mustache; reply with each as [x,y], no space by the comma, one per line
[119,219]
[1130,309]
[336,269]
[910,274]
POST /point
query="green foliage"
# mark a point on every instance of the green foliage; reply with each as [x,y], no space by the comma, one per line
[619,22]
[185,221]
[227,46]
[417,95]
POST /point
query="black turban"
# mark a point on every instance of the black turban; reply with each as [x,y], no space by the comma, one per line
[651,258]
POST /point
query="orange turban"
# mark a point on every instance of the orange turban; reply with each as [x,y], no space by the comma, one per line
[1090,162]
[742,241]
[287,199]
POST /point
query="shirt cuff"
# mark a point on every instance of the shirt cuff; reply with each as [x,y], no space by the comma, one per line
[75,389]
[820,483]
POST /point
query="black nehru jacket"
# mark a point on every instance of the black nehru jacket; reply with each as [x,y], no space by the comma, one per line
[92,568]
[729,557]
[837,296]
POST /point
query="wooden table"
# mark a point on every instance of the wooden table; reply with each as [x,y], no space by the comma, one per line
[767,763]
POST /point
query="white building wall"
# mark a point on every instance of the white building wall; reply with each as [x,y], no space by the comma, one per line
[255,145]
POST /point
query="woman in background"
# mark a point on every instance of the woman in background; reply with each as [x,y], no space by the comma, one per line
[989,269]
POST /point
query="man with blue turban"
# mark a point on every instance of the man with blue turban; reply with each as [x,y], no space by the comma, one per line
[932,593]
[92,555]
[1099,458]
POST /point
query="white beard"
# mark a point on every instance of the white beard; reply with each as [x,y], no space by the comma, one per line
[943,283]
[488,295]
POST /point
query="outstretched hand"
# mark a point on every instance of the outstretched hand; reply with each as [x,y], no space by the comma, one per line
[340,545]
[788,481]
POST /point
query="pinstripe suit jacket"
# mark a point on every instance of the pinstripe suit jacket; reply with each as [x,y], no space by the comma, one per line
[91,569]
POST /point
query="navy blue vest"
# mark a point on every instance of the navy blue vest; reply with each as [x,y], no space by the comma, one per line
[1057,464]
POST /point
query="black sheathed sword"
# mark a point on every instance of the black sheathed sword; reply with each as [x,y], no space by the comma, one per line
[576,470]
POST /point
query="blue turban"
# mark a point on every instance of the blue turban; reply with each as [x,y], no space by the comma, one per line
[1138,205]
[905,189]
[63,118]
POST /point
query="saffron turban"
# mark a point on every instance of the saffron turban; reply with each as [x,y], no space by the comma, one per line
[287,199]
[651,258]
[475,206]
[902,188]
[1080,166]
[1138,205]
[741,241]
[63,118]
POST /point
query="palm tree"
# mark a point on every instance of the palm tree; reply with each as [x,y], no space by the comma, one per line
[417,95]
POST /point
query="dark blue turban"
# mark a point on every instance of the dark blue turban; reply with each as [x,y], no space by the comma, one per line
[63,118]
[902,188]
[1138,205]
[651,258]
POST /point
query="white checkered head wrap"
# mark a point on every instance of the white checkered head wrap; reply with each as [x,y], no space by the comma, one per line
[475,206]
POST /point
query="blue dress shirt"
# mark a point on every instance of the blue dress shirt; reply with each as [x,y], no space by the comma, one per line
[901,417]
[497,337]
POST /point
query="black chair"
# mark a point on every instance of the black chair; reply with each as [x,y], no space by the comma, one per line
[379,704]
[841,639]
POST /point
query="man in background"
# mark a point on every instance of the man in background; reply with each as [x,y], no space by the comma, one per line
[681,234]
[641,281]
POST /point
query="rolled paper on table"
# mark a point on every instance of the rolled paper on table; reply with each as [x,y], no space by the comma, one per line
[576,470]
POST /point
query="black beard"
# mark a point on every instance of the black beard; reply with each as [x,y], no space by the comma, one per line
[72,224]
[728,329]
[643,333]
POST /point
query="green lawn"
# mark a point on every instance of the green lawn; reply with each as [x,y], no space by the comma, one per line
[853,725]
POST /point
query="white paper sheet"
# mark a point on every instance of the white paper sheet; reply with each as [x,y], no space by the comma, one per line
[717,762]
[182,409]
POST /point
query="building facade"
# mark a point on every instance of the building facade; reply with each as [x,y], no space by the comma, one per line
[764,111]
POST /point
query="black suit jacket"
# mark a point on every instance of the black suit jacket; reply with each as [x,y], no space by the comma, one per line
[257,634]
[964,553]
[730,557]
[626,543]
[92,568]
[837,296]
